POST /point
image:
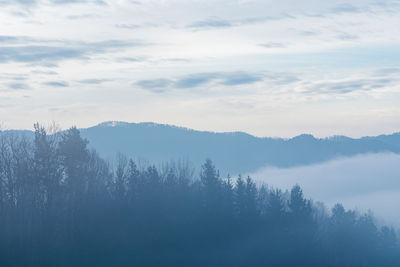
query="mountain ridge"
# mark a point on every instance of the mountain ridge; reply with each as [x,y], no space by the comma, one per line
[232,152]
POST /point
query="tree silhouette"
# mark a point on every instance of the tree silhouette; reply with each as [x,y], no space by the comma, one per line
[61,204]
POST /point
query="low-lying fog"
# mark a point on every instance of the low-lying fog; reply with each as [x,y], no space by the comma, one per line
[364,182]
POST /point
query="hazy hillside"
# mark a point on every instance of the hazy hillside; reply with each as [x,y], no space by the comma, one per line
[61,205]
[237,152]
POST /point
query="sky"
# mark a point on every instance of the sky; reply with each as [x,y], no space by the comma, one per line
[368,182]
[269,68]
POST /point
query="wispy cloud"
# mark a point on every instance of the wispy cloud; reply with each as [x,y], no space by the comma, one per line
[130,59]
[347,36]
[39,53]
[22,2]
[128,26]
[199,79]
[281,78]
[97,2]
[33,2]
[156,85]
[8,39]
[274,58]
[213,22]
[56,84]
[273,45]
[282,81]
[50,51]
[94,81]
[195,80]
[345,8]
[240,78]
[309,33]
[387,71]
[348,86]
[84,16]
[18,86]
[42,72]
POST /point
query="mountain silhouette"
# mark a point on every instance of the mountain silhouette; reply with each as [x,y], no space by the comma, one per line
[237,152]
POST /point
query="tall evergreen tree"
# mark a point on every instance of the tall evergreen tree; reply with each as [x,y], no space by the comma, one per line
[63,205]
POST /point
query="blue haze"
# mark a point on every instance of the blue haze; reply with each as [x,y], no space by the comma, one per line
[233,152]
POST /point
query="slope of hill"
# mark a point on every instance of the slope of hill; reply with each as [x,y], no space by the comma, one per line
[236,152]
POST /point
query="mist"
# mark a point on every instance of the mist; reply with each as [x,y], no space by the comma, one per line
[367,182]
[62,204]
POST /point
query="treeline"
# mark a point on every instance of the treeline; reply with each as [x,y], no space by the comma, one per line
[63,205]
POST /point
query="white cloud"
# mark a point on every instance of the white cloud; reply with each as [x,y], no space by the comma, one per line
[329,52]
[363,182]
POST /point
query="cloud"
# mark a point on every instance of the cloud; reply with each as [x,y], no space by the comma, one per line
[176,59]
[387,71]
[343,87]
[7,39]
[130,59]
[14,82]
[134,2]
[240,78]
[348,86]
[219,78]
[94,81]
[13,76]
[56,84]
[112,44]
[34,2]
[234,62]
[97,2]
[156,85]
[346,36]
[229,79]
[273,45]
[41,72]
[20,13]
[84,16]
[39,53]
[190,81]
[22,2]
[309,33]
[18,86]
[210,23]
[365,182]
[50,51]
[281,78]
[128,26]
[345,8]
[195,80]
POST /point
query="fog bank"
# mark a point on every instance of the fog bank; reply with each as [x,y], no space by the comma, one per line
[363,182]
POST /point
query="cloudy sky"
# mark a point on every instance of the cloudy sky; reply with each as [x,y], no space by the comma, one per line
[270,68]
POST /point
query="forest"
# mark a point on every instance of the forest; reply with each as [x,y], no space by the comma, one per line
[61,204]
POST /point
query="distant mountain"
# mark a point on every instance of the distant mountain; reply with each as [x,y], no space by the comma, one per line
[233,152]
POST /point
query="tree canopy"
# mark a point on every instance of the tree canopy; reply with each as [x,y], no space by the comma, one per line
[63,205]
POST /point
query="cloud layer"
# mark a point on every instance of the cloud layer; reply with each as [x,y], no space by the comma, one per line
[271,69]
[363,182]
